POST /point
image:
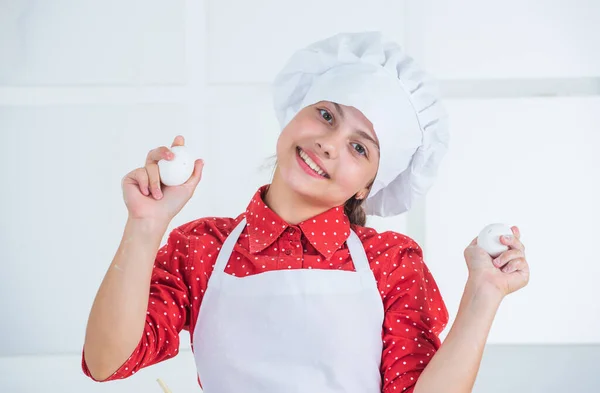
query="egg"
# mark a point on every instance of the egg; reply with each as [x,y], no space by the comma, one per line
[178,170]
[489,238]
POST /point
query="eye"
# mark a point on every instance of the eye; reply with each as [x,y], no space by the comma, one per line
[327,116]
[360,149]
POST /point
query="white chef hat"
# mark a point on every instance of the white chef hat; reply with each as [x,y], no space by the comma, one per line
[379,79]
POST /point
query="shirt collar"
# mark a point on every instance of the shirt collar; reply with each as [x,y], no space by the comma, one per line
[327,231]
[264,225]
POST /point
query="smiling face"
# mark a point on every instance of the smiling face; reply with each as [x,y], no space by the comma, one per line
[328,153]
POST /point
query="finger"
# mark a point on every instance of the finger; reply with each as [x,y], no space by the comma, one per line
[154,180]
[513,242]
[506,257]
[474,242]
[514,265]
[516,232]
[196,175]
[160,153]
[178,141]
[141,177]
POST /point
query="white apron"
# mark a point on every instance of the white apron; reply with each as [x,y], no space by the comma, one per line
[288,331]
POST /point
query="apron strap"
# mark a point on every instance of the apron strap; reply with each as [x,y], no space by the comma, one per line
[357,252]
[227,247]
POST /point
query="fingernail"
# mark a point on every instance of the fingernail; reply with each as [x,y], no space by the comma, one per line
[508,237]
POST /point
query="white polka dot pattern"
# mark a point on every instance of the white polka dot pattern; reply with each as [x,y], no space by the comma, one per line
[415,313]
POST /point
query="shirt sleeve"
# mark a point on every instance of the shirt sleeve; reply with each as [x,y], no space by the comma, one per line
[168,309]
[415,315]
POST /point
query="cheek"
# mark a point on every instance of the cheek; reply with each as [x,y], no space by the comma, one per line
[297,132]
[280,142]
[350,174]
[286,136]
[302,127]
[355,175]
[285,150]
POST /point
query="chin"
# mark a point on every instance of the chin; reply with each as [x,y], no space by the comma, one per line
[300,183]
[308,188]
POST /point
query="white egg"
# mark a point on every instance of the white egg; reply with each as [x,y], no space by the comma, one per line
[177,171]
[489,238]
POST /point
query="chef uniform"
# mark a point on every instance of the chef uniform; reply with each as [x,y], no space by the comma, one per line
[271,332]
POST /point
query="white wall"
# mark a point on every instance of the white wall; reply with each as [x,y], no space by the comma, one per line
[87,88]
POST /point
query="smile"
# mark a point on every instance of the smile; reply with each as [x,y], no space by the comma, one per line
[311,165]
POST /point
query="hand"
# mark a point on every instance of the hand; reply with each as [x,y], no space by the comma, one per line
[507,273]
[145,196]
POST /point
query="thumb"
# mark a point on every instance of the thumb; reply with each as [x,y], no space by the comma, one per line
[196,175]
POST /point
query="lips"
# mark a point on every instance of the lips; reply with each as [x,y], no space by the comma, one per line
[315,161]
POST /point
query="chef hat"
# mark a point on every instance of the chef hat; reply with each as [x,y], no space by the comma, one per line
[400,100]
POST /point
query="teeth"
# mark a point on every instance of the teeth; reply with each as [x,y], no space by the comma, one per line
[311,163]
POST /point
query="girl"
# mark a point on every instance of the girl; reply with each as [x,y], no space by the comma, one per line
[296,294]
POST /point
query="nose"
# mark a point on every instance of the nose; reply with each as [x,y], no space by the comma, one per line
[327,146]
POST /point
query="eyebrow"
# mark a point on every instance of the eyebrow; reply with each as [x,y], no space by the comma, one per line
[361,133]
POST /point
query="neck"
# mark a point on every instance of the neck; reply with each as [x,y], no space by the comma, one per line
[289,205]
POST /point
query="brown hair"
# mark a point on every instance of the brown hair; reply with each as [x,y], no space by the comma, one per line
[355,212]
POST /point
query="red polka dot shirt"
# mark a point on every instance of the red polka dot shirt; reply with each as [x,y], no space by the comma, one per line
[415,313]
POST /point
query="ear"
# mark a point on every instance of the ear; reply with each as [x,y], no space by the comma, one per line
[362,194]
